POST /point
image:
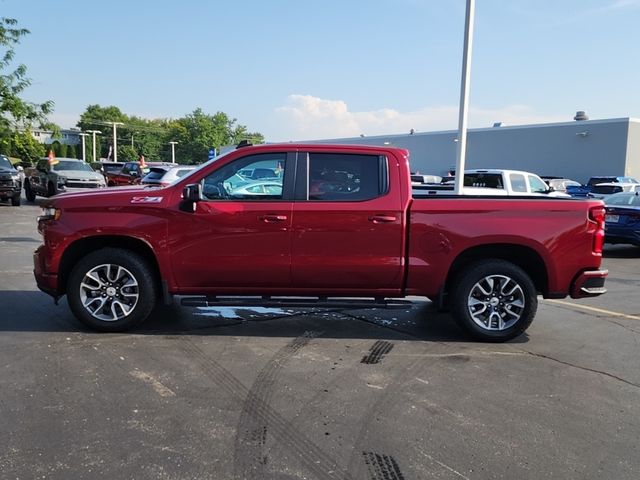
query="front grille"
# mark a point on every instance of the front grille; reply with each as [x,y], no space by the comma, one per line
[81,185]
[6,183]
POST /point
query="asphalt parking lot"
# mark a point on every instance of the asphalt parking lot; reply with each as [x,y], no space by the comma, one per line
[203,393]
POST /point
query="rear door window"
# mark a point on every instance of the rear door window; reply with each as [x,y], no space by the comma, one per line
[346,177]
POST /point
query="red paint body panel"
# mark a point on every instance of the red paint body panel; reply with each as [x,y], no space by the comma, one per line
[392,245]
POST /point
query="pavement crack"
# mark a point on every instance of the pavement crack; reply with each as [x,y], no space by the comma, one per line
[580,367]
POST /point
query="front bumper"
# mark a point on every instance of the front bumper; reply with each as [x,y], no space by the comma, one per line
[47,282]
[589,284]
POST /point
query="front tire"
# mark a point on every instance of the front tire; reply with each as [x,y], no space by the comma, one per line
[494,300]
[15,200]
[51,189]
[111,290]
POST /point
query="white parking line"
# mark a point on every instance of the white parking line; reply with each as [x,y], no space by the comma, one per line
[594,309]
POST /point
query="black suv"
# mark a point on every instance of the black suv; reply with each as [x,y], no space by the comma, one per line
[10,181]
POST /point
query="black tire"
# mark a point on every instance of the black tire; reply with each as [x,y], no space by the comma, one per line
[51,189]
[30,194]
[15,200]
[493,300]
[113,304]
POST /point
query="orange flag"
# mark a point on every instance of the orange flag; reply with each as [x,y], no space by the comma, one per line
[52,158]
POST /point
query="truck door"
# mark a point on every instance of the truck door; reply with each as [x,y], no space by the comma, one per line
[240,233]
[348,227]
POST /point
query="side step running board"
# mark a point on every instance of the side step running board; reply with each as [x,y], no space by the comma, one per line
[294,302]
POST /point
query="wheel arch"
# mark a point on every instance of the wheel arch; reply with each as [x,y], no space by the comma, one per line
[524,257]
[81,247]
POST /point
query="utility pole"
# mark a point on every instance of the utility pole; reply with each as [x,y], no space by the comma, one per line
[173,152]
[115,140]
[94,142]
[464,96]
[84,156]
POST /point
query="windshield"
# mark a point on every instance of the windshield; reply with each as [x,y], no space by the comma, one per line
[71,165]
[5,163]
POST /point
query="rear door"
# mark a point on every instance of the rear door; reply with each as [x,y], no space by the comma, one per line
[348,222]
[239,236]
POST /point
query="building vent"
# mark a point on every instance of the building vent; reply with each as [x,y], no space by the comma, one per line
[580,115]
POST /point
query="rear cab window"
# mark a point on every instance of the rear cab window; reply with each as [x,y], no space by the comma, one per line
[340,177]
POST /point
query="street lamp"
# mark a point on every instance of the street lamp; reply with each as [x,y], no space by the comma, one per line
[94,141]
[84,157]
[173,152]
[115,140]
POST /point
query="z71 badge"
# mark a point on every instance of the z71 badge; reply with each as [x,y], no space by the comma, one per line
[146,199]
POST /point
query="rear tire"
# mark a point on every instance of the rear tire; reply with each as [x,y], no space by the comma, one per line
[30,194]
[494,300]
[111,290]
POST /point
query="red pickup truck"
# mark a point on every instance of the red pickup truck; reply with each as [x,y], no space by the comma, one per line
[322,221]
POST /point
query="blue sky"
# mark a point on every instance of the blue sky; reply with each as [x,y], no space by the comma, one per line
[296,70]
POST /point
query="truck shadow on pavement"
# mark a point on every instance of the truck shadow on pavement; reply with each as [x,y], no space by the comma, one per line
[33,311]
[621,251]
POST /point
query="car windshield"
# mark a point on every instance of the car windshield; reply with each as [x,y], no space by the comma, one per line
[624,199]
[63,165]
[5,163]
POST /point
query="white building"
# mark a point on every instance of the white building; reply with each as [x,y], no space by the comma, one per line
[68,137]
[575,150]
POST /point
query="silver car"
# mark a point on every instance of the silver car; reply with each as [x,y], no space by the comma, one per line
[166,175]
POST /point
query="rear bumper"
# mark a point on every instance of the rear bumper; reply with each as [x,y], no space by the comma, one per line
[589,284]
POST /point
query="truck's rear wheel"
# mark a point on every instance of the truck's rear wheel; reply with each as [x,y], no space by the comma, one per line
[111,290]
[30,194]
[494,300]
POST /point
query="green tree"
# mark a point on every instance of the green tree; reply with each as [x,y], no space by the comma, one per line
[14,111]
[63,150]
[71,151]
[25,147]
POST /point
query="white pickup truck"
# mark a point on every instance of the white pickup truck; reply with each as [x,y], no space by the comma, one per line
[496,181]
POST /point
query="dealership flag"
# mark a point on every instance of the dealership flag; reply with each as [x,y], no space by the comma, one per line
[52,158]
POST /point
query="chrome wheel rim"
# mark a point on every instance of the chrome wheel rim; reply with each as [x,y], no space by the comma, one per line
[496,302]
[109,292]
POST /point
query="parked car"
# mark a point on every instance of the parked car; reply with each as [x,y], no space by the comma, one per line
[131,173]
[486,259]
[604,190]
[66,174]
[11,179]
[622,220]
[263,189]
[559,184]
[164,176]
[107,167]
[584,190]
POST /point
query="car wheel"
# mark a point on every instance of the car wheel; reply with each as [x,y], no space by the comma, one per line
[30,194]
[111,290]
[494,300]
[51,189]
[15,200]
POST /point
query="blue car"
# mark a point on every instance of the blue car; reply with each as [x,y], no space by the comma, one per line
[622,220]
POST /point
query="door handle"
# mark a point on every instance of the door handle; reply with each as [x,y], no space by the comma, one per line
[272,218]
[382,218]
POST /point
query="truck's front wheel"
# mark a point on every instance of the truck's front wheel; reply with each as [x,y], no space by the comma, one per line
[111,290]
[494,300]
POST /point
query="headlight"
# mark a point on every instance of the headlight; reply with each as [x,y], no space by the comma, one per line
[50,213]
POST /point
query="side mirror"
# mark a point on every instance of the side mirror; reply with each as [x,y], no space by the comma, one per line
[191,194]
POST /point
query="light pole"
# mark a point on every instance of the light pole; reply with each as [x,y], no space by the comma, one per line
[464,96]
[173,152]
[84,156]
[94,142]
[115,140]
